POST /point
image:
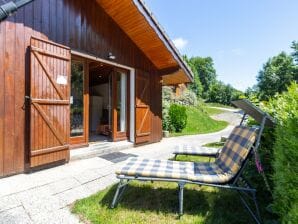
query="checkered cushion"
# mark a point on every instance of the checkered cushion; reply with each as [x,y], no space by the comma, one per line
[226,165]
[202,172]
[236,148]
[185,149]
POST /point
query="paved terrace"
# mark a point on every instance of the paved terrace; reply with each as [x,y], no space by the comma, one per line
[45,196]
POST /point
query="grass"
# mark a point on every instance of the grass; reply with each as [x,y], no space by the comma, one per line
[215,144]
[219,105]
[199,122]
[145,202]
[212,111]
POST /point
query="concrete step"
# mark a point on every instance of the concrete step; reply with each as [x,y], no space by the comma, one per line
[98,149]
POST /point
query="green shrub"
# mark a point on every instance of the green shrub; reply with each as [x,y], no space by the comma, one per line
[188,98]
[166,123]
[285,178]
[178,117]
[167,99]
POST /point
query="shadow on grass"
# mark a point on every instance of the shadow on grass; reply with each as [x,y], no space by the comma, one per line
[158,199]
[216,207]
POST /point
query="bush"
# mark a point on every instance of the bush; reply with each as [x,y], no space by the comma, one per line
[188,97]
[178,117]
[167,98]
[285,178]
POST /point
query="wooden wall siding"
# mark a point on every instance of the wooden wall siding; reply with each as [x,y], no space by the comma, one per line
[79,24]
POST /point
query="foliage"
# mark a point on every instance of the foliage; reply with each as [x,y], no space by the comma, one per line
[222,93]
[276,75]
[196,85]
[178,117]
[204,72]
[285,110]
[188,98]
[199,122]
[167,98]
[295,53]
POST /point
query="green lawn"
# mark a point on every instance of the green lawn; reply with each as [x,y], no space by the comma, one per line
[215,144]
[212,111]
[199,122]
[145,202]
[219,105]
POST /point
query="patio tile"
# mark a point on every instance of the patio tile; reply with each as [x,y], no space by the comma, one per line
[61,216]
[87,176]
[9,202]
[98,185]
[16,215]
[39,200]
[74,194]
[63,185]
[107,170]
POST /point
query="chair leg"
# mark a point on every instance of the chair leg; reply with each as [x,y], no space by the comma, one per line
[181,188]
[255,215]
[257,207]
[119,192]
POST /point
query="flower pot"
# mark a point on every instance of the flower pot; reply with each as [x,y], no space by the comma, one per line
[165,134]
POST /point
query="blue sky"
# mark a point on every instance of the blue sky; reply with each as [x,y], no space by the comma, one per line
[239,35]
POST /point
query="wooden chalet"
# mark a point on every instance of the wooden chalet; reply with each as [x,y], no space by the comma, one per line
[75,70]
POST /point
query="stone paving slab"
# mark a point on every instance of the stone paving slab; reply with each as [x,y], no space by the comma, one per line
[17,215]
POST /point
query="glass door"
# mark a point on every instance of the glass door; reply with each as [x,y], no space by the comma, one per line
[77,103]
[120,105]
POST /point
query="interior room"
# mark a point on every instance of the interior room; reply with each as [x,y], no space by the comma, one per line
[100,83]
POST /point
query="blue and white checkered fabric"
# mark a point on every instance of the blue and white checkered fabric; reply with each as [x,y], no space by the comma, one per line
[185,149]
[236,148]
[167,169]
[226,165]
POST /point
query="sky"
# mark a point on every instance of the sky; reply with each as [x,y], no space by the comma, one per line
[240,35]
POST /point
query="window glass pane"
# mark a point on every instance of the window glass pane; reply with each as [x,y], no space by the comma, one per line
[121,102]
[77,99]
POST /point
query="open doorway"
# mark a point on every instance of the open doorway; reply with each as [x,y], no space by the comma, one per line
[108,103]
[100,102]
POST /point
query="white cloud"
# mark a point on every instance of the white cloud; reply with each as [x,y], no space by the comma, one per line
[180,43]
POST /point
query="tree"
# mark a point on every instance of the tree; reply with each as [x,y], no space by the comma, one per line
[196,85]
[295,57]
[295,53]
[205,72]
[222,93]
[276,74]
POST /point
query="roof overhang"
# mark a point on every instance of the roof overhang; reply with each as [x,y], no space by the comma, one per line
[134,18]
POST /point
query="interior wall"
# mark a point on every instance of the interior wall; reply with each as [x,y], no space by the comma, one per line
[99,100]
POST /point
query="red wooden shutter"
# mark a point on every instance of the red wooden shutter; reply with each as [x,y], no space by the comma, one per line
[49,96]
[143,113]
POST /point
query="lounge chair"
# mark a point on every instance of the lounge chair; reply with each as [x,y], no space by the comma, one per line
[225,172]
[195,150]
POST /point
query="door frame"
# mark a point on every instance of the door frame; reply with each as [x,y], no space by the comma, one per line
[130,93]
[81,141]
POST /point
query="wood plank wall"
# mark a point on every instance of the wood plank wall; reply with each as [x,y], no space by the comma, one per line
[79,24]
